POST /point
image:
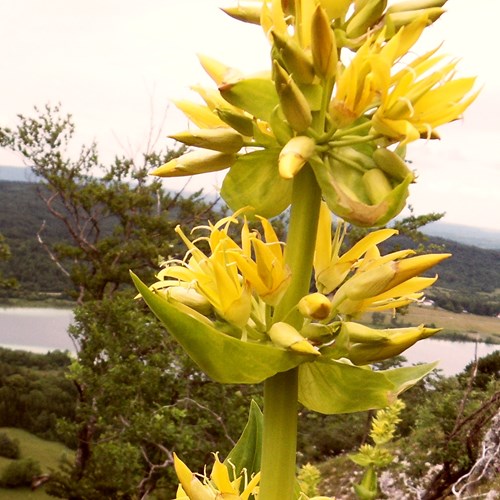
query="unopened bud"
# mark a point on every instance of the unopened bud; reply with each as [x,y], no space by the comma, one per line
[362,20]
[391,163]
[377,185]
[221,139]
[219,72]
[202,116]
[323,45]
[294,155]
[286,336]
[415,5]
[197,162]
[238,121]
[315,306]
[397,341]
[246,11]
[189,297]
[398,19]
[297,62]
[293,103]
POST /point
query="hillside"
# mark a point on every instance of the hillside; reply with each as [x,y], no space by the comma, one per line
[470,280]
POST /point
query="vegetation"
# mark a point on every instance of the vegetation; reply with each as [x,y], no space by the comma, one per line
[469,265]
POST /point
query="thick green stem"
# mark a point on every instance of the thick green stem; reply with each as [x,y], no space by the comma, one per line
[281,391]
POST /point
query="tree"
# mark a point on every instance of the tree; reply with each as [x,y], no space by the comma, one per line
[5,255]
[134,386]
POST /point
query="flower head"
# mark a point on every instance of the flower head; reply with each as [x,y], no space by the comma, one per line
[219,484]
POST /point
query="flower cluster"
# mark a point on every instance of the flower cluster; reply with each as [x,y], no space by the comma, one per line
[342,94]
[236,286]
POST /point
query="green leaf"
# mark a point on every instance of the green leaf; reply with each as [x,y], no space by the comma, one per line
[246,453]
[256,96]
[223,358]
[332,387]
[254,181]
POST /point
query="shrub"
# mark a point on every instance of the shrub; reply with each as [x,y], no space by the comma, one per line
[9,448]
[20,473]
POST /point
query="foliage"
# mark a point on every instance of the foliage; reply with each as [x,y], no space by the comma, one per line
[376,456]
[34,392]
[450,423]
[5,255]
[9,448]
[20,473]
[135,388]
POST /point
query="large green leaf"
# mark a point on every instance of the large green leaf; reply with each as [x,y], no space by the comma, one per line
[247,452]
[223,358]
[256,96]
[332,387]
[254,181]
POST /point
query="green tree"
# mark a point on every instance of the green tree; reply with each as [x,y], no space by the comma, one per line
[134,386]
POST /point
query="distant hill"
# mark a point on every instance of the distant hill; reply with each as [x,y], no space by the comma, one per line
[472,274]
[482,238]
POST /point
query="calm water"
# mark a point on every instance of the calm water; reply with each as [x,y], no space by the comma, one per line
[35,329]
[42,330]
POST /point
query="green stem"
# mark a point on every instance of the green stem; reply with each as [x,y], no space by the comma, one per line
[279,442]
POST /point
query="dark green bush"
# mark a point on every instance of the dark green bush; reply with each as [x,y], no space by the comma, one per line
[20,473]
[9,448]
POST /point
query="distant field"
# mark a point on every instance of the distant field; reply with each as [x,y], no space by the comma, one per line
[47,453]
[488,328]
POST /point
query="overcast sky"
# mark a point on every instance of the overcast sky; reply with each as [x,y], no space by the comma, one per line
[115,64]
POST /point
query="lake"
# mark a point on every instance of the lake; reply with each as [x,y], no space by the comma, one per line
[44,329]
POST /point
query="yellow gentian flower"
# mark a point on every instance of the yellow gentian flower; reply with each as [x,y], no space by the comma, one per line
[218,485]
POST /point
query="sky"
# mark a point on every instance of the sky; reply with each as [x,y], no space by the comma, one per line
[115,65]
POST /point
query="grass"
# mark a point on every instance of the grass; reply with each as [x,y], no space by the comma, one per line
[47,453]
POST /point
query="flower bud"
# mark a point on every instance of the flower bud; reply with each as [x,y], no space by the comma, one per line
[286,336]
[297,62]
[358,333]
[363,19]
[246,11]
[335,8]
[366,284]
[391,163]
[293,103]
[415,5]
[315,306]
[295,155]
[202,116]
[323,45]
[238,121]
[189,297]
[221,139]
[397,341]
[398,19]
[377,185]
[219,72]
[280,127]
[197,162]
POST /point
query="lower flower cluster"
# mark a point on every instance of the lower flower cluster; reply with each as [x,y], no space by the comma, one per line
[235,287]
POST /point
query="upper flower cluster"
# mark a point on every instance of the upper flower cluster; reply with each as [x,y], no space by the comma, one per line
[342,94]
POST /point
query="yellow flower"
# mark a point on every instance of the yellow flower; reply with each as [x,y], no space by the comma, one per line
[420,100]
[330,267]
[267,272]
[230,274]
[218,485]
[215,277]
[385,283]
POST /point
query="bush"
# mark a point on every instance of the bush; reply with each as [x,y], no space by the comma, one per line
[9,448]
[20,473]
